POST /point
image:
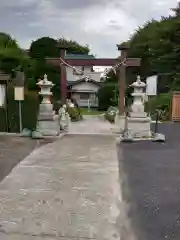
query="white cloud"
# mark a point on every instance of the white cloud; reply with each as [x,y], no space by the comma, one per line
[95,22]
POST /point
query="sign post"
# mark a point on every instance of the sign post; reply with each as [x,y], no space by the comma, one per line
[19,94]
[151,85]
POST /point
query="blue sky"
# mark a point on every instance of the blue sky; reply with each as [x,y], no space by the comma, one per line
[100,23]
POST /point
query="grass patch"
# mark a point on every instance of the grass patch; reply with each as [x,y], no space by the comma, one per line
[86,111]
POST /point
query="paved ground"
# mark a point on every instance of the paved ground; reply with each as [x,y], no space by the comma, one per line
[70,189]
[91,125]
[12,151]
[65,190]
[151,185]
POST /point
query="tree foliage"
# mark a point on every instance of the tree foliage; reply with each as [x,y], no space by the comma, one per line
[48,47]
[10,53]
[6,41]
[73,46]
[158,44]
[44,47]
[108,96]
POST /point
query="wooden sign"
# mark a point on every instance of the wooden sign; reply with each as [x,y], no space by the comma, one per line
[19,93]
[151,88]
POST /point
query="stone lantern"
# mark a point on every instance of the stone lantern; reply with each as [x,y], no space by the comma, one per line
[138,121]
[48,123]
[138,96]
[46,107]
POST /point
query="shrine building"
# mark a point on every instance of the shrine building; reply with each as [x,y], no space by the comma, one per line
[79,88]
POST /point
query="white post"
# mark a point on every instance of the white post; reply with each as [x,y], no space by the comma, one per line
[89,106]
[20,116]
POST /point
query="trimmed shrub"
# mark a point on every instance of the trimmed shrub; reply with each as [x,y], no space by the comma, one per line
[111,114]
[74,114]
[30,107]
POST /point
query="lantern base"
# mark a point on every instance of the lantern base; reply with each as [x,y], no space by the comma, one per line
[49,127]
[139,127]
[119,123]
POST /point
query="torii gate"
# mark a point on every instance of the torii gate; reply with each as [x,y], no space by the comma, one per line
[128,62]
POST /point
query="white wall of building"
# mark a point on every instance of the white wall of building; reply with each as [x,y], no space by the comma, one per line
[85,87]
[84,92]
[85,101]
[87,71]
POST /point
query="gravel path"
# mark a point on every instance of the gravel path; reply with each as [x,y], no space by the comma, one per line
[91,125]
[13,150]
[65,190]
[69,189]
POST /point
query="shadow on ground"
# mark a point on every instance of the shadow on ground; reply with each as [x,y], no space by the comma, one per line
[151,185]
[13,150]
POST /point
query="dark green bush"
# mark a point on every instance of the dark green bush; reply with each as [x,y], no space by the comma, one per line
[31,84]
[111,114]
[74,114]
[30,107]
[107,96]
[109,118]
[161,102]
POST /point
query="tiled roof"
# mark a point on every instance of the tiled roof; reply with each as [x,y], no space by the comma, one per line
[79,56]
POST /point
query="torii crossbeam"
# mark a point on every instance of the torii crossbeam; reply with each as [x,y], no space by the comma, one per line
[128,62]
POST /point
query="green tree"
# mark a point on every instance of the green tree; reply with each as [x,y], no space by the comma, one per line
[107,96]
[11,55]
[158,44]
[44,47]
[73,46]
[48,47]
[39,50]
[6,41]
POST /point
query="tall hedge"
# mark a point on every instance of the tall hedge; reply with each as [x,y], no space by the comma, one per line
[30,107]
